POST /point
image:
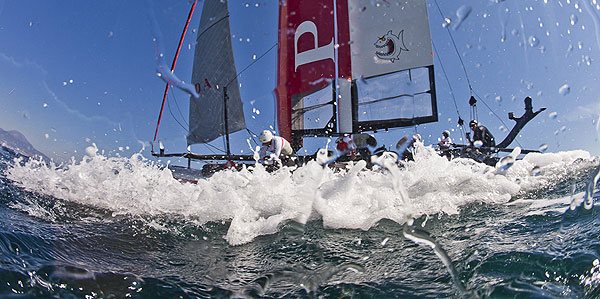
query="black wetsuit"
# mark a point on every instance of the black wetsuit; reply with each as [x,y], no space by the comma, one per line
[483,134]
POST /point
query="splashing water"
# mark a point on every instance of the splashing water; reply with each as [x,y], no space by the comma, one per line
[413,233]
[589,190]
[423,237]
[309,214]
[257,202]
[163,70]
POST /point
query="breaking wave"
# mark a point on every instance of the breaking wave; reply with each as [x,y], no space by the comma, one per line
[255,202]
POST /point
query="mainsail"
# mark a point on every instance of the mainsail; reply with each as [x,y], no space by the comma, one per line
[214,71]
[378,57]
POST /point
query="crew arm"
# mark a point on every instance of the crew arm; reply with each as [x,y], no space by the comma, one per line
[263,152]
[278,146]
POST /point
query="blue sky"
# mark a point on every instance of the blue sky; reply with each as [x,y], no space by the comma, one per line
[74,73]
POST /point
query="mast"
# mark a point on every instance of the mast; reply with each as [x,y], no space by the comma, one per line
[225,97]
[187,23]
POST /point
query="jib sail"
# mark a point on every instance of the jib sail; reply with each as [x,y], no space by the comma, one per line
[214,71]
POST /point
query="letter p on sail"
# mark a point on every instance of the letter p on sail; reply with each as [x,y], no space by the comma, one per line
[312,55]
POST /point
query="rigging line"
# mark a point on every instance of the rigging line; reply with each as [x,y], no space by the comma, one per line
[465,70]
[251,64]
[497,116]
[211,26]
[178,109]
[447,79]
[455,47]
[175,118]
[486,105]
[252,134]
[462,129]
[173,68]
[188,132]
[209,146]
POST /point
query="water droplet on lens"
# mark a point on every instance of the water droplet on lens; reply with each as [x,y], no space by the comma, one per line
[446,22]
[564,90]
[573,19]
[533,41]
[536,171]
[505,163]
[553,115]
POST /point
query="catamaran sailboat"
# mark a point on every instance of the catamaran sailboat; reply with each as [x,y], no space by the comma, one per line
[344,67]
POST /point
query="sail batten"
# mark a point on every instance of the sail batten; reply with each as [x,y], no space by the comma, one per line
[214,69]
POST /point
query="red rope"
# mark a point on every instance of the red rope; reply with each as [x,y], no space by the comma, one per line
[173,68]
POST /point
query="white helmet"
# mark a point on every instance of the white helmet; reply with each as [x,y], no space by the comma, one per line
[446,132]
[265,136]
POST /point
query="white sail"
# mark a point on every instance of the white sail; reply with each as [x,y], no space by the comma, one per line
[214,69]
[392,64]
[388,37]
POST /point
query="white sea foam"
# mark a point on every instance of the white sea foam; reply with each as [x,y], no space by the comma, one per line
[257,202]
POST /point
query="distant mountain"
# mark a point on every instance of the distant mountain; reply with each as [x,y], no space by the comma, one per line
[17,142]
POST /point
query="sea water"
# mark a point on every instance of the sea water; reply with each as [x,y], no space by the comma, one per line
[123,227]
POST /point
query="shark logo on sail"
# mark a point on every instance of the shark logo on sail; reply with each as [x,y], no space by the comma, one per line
[391,46]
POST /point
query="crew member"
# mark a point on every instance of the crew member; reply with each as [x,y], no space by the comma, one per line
[357,143]
[274,146]
[481,133]
[446,142]
[408,154]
